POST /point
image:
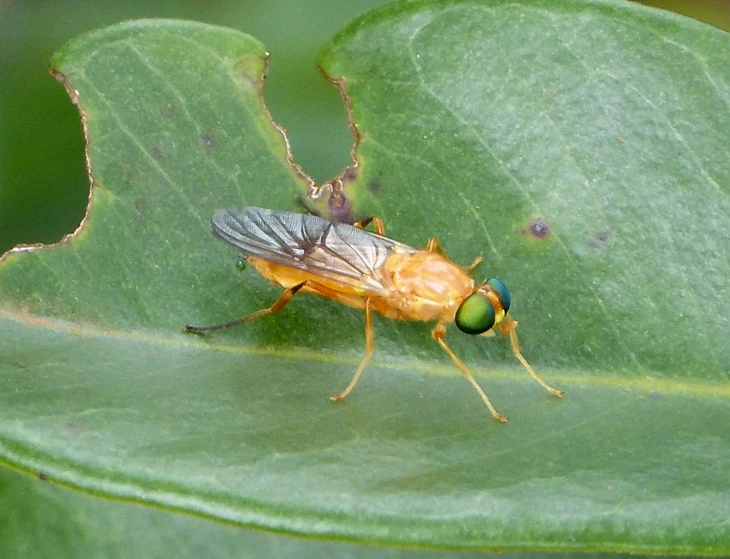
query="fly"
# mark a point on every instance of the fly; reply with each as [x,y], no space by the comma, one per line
[371,272]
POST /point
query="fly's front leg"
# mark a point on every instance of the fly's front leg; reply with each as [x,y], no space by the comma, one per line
[273,309]
[375,220]
[474,264]
[435,246]
[509,328]
[438,334]
[369,346]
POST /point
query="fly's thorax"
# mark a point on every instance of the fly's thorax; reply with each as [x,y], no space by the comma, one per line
[426,285]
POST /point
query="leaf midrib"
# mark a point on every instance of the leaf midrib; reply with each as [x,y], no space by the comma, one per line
[647,384]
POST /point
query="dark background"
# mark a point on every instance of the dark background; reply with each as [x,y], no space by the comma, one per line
[43,182]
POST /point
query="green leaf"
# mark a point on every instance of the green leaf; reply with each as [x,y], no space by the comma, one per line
[578,146]
[41,520]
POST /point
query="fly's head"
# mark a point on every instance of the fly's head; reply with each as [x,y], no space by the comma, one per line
[484,309]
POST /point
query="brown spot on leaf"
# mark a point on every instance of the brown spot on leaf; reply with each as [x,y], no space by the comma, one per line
[252,68]
[349,175]
[42,476]
[170,111]
[539,228]
[139,206]
[599,240]
[374,187]
[206,138]
[157,153]
[340,210]
[338,204]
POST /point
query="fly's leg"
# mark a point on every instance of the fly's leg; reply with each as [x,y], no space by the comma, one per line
[438,334]
[435,246]
[509,328]
[273,309]
[474,264]
[375,220]
[369,345]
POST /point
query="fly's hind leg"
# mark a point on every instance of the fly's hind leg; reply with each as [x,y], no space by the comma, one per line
[369,345]
[435,246]
[509,328]
[273,309]
[375,220]
[438,334]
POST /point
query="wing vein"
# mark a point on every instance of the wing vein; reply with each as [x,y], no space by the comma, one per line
[338,252]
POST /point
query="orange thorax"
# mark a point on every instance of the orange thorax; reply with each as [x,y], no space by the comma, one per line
[426,285]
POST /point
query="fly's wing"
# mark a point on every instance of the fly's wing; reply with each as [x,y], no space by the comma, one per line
[335,251]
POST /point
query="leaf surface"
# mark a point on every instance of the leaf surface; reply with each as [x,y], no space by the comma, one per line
[579,147]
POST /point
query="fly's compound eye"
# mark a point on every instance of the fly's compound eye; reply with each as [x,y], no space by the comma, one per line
[502,292]
[475,314]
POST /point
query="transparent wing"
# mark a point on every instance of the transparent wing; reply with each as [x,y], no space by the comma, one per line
[336,251]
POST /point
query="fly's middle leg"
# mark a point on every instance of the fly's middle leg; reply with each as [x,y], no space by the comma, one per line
[434,245]
[377,222]
[273,309]
[369,346]
[438,334]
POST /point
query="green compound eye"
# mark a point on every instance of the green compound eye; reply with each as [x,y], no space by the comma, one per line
[475,314]
[502,292]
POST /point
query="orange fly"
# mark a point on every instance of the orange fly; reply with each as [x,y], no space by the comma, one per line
[368,271]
